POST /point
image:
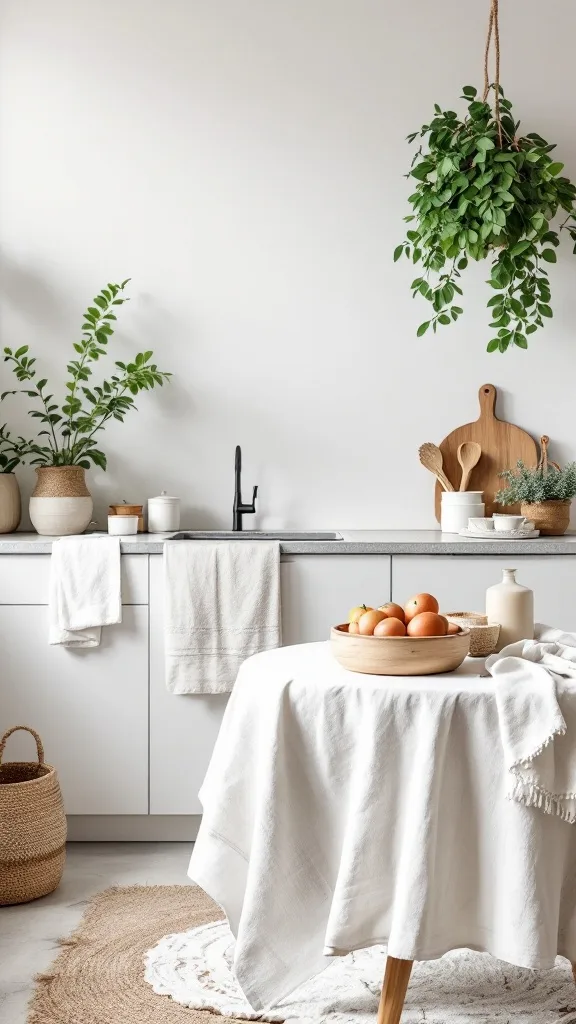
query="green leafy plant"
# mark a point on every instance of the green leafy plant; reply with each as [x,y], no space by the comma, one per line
[535,485]
[486,190]
[71,428]
[12,450]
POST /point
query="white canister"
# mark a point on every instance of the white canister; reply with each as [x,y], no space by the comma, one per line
[122,526]
[457,507]
[512,606]
[163,514]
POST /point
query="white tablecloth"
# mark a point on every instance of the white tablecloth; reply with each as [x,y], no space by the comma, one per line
[345,810]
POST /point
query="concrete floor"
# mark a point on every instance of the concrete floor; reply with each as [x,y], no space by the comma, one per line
[28,933]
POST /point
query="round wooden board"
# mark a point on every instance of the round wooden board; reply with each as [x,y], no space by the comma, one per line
[502,445]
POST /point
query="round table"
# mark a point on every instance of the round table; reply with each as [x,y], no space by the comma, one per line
[343,811]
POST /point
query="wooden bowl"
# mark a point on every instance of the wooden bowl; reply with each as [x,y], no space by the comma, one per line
[399,655]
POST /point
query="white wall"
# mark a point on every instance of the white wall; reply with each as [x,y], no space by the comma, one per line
[242,161]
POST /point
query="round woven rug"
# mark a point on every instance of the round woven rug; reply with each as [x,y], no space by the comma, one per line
[99,977]
[195,969]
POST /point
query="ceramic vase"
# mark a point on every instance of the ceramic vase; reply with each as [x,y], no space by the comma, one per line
[512,606]
[61,503]
[10,504]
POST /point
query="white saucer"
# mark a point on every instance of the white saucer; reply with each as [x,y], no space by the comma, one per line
[500,534]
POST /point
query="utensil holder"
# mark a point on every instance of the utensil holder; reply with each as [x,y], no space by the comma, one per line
[457,507]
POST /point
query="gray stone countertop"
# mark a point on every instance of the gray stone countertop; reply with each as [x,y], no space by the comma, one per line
[354,542]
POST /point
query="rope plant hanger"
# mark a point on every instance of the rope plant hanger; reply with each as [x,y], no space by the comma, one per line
[486,190]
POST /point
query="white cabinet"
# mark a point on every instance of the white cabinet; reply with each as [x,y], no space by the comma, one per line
[89,706]
[24,579]
[460,581]
[319,590]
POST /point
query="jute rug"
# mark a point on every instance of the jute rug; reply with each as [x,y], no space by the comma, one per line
[99,977]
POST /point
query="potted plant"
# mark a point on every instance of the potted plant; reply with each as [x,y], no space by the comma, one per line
[66,445]
[544,494]
[486,190]
[12,451]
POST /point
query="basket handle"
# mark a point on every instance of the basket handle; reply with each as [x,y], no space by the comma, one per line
[25,728]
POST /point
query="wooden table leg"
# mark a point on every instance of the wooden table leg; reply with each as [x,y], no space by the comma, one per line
[396,980]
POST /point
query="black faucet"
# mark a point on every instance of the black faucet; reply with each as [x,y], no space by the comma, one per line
[239,508]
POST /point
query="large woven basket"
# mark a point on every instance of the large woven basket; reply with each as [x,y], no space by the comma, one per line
[32,826]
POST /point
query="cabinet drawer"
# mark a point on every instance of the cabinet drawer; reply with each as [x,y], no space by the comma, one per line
[24,579]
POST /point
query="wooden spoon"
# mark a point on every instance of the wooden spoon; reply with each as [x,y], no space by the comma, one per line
[469,453]
[431,457]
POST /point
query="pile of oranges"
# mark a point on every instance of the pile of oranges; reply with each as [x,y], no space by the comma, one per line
[419,617]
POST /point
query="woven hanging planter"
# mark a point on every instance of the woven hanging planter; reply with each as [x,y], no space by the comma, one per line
[32,826]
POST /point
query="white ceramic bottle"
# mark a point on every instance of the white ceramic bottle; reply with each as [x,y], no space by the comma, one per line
[512,606]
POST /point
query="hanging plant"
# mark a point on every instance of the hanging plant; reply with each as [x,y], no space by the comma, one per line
[486,191]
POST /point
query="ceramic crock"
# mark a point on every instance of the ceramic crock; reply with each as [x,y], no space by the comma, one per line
[61,503]
[10,504]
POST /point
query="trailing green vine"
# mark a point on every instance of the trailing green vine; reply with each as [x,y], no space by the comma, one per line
[486,191]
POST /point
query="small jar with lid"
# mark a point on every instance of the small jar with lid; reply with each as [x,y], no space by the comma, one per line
[163,513]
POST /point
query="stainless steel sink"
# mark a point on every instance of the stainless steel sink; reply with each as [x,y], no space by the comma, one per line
[254,535]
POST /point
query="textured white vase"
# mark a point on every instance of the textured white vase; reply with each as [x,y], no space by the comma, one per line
[61,504]
[10,505]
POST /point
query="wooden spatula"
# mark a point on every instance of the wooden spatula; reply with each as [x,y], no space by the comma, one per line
[431,457]
[469,453]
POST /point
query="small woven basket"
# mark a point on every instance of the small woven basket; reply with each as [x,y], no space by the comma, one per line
[483,637]
[32,826]
[552,518]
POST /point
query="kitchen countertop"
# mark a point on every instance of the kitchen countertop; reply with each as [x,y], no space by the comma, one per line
[354,542]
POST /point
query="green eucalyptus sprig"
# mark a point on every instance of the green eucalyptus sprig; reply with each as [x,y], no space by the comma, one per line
[534,485]
[72,426]
[486,191]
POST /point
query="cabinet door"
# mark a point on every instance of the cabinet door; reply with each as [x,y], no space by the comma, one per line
[183,728]
[90,707]
[460,581]
[319,590]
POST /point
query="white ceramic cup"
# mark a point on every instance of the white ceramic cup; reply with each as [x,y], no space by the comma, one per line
[484,524]
[122,526]
[502,521]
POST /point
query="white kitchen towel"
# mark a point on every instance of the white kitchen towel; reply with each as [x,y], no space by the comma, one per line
[221,604]
[85,589]
[536,698]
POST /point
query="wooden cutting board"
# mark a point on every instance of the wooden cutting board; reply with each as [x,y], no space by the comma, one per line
[502,445]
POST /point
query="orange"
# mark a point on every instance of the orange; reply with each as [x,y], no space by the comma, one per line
[427,624]
[390,627]
[367,621]
[420,603]
[393,611]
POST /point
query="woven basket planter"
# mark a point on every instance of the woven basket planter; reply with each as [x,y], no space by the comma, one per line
[32,827]
[552,518]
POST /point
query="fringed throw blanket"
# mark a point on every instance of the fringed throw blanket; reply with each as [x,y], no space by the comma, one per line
[536,697]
